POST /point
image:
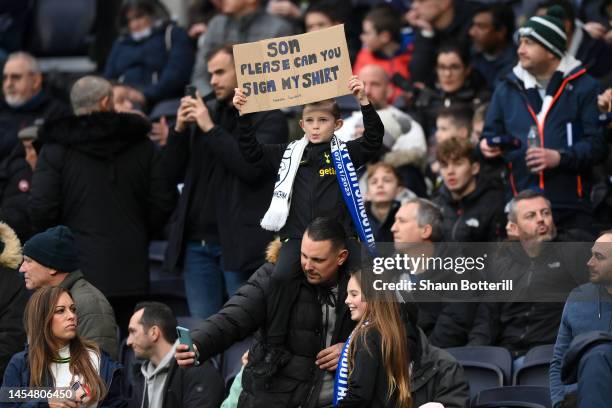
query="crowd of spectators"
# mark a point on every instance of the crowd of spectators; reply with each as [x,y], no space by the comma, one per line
[496,116]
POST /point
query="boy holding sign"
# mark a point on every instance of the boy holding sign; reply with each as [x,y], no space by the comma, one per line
[316,174]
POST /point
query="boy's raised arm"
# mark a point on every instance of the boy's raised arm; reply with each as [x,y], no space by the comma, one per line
[267,157]
[364,148]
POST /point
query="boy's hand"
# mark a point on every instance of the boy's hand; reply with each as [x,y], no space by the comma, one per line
[239,99]
[357,87]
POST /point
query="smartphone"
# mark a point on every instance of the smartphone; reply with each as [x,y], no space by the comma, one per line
[190,90]
[504,142]
[80,391]
[184,336]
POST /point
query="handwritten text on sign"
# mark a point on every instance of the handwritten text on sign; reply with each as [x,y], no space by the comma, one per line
[294,70]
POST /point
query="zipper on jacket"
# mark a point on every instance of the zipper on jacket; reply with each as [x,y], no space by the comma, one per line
[542,124]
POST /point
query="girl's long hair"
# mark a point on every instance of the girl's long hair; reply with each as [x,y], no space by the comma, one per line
[43,346]
[383,315]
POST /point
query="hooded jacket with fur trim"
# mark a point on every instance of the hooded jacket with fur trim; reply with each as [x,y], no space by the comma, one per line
[101,176]
[567,122]
[13,297]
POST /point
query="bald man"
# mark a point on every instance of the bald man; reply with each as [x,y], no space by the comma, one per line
[588,309]
[24,100]
[404,145]
[400,128]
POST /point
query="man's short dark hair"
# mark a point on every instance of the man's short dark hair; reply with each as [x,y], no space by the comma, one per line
[160,315]
[460,114]
[429,213]
[523,195]
[384,18]
[502,16]
[327,229]
[227,48]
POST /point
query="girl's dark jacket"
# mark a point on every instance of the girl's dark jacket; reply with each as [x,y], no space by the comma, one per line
[18,375]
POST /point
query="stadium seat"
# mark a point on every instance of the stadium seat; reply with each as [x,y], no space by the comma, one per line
[163,283]
[131,366]
[535,369]
[63,26]
[485,366]
[523,396]
[62,35]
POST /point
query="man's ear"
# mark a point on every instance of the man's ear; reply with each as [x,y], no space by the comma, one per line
[512,228]
[339,123]
[475,168]
[385,37]
[426,232]
[52,272]
[106,103]
[342,256]
[302,123]
[390,91]
[154,333]
[37,81]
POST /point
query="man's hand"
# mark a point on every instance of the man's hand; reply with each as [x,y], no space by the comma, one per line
[182,115]
[198,112]
[539,159]
[183,356]
[595,29]
[284,8]
[416,21]
[196,30]
[604,101]
[357,88]
[490,152]
[239,100]
[327,359]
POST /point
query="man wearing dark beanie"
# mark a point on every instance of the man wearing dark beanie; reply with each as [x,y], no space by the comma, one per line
[549,103]
[50,259]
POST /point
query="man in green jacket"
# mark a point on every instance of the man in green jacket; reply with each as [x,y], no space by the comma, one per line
[50,259]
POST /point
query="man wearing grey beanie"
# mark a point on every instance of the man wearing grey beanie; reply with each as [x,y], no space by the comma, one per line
[50,259]
[549,104]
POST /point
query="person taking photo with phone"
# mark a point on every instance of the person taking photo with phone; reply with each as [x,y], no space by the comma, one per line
[217,250]
[159,382]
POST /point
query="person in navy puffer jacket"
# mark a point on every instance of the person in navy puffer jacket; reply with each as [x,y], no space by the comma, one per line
[550,92]
[154,56]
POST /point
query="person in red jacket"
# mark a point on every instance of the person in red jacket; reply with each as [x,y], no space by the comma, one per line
[382,41]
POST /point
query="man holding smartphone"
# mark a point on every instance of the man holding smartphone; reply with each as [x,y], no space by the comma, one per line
[300,371]
[215,237]
[160,383]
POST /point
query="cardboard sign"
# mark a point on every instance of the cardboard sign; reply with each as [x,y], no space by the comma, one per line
[294,70]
